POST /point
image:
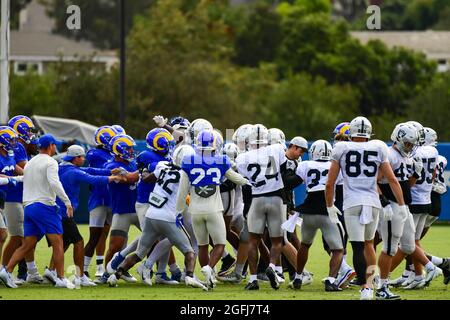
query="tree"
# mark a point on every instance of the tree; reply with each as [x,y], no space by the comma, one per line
[15,7]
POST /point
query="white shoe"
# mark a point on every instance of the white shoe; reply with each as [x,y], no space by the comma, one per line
[306,278]
[7,279]
[433,274]
[50,275]
[100,270]
[112,280]
[192,282]
[410,279]
[145,274]
[399,281]
[345,277]
[415,284]
[207,272]
[366,294]
[34,278]
[19,281]
[279,278]
[127,277]
[63,283]
[86,282]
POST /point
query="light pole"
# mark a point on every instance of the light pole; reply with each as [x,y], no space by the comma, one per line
[122,91]
[4,62]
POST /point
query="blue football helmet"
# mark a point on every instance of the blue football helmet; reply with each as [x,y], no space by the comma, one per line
[206,140]
[24,128]
[103,136]
[179,123]
[118,129]
[160,140]
[8,138]
[342,132]
[122,145]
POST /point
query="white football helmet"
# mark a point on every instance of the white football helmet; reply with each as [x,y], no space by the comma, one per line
[406,139]
[240,137]
[231,150]
[219,141]
[276,136]
[299,142]
[320,150]
[420,131]
[430,137]
[360,127]
[194,129]
[258,135]
[180,152]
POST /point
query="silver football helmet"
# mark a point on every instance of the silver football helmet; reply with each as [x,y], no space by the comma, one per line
[276,136]
[194,129]
[420,131]
[320,150]
[360,127]
[240,137]
[430,137]
[406,139]
[258,135]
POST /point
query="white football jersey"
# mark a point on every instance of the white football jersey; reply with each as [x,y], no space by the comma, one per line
[314,174]
[440,179]
[164,194]
[359,163]
[402,166]
[262,168]
[421,191]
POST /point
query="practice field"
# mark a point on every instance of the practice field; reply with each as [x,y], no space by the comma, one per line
[437,242]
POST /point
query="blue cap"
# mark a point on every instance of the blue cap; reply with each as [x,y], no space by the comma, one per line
[46,140]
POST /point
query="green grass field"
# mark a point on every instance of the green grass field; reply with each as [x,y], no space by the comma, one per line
[436,242]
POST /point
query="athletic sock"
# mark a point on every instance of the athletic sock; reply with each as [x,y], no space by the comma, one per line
[279,269]
[99,260]
[272,266]
[429,266]
[173,268]
[382,283]
[87,262]
[239,268]
[436,260]
[32,268]
[298,275]
[253,277]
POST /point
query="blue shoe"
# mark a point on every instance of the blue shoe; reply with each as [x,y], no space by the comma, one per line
[103,279]
[115,262]
[176,276]
[162,278]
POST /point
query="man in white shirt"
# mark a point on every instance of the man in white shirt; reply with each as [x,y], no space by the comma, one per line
[41,185]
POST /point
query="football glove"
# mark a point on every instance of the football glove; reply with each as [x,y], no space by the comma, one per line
[333,213]
[387,213]
[418,166]
[160,121]
[179,222]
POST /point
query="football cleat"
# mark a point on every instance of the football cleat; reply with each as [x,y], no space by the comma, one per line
[385,294]
[433,274]
[103,279]
[252,285]
[7,279]
[232,277]
[145,274]
[162,278]
[112,281]
[19,281]
[410,279]
[50,276]
[208,273]
[64,283]
[345,277]
[127,277]
[331,287]
[296,284]
[399,281]
[86,282]
[34,278]
[193,282]
[366,294]
[99,271]
[415,284]
[114,263]
[176,276]
[228,263]
[272,278]
[280,277]
[306,277]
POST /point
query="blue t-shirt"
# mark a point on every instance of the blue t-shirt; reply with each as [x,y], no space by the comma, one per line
[7,167]
[15,193]
[123,196]
[147,159]
[99,196]
[205,170]
[71,177]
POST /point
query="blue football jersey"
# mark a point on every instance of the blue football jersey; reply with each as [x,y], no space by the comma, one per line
[15,193]
[147,159]
[123,196]
[205,170]
[98,158]
[7,167]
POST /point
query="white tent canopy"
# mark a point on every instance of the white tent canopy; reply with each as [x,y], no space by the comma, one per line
[66,129]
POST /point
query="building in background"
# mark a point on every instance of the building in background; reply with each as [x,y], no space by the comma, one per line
[34,47]
[434,44]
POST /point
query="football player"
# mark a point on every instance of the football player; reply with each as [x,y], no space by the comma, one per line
[202,173]
[315,216]
[262,166]
[360,160]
